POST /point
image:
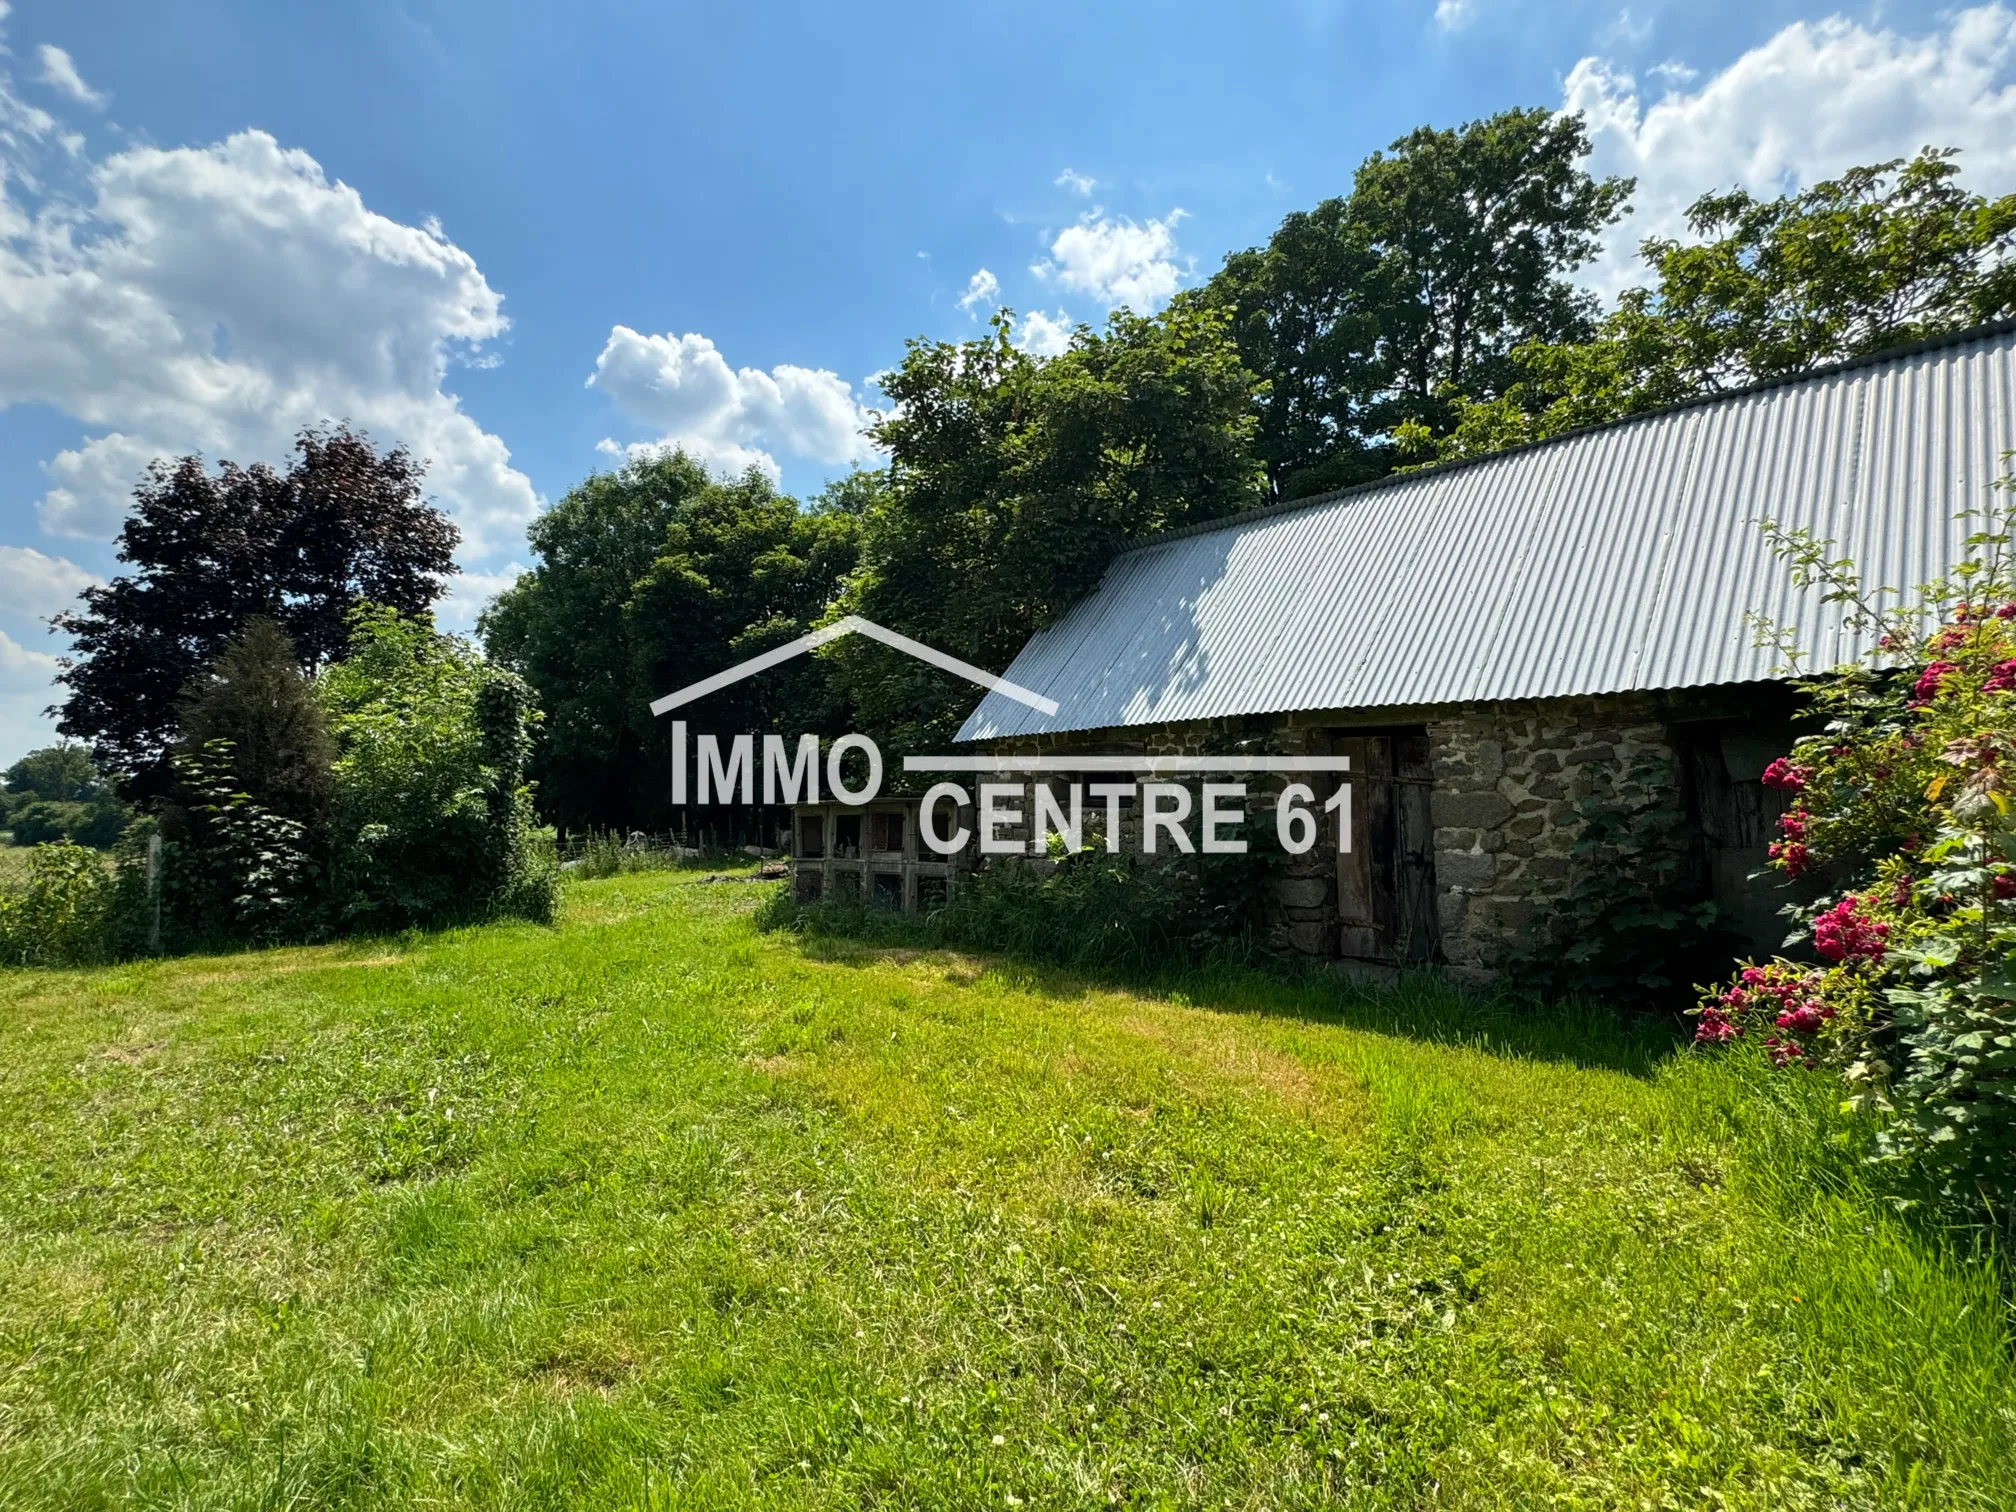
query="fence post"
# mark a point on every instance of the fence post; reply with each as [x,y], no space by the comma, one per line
[154,891]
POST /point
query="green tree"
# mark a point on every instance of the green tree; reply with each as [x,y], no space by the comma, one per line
[257,699]
[344,525]
[57,794]
[60,773]
[1377,309]
[650,578]
[1881,256]
[1013,480]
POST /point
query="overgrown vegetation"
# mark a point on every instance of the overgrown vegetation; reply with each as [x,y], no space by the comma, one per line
[1905,795]
[658,1211]
[1088,910]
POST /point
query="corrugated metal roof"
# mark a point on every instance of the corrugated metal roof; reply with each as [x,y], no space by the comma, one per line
[1623,557]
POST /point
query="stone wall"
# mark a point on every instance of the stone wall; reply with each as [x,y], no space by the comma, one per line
[1506,782]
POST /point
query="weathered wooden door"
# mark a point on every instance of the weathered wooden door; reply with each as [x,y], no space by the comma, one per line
[1386,909]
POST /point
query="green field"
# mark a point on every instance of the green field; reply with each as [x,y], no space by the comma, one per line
[654,1210]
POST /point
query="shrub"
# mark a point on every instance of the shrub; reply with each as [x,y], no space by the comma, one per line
[56,794]
[1094,909]
[1907,791]
[60,917]
[40,821]
[432,820]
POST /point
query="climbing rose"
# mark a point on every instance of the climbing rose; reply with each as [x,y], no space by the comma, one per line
[1783,774]
[1842,934]
[1791,853]
[2002,679]
[1927,687]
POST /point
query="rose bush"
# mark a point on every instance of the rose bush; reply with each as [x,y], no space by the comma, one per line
[1906,796]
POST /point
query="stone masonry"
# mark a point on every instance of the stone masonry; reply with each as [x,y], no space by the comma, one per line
[1507,778]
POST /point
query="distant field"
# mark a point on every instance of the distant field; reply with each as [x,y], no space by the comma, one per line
[655,1211]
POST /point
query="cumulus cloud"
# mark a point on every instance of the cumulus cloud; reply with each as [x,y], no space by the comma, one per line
[1818,97]
[1044,335]
[729,418]
[983,288]
[469,594]
[1116,261]
[35,585]
[218,299]
[58,72]
[26,689]
[1078,183]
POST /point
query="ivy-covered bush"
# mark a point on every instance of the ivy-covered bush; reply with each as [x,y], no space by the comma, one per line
[1909,790]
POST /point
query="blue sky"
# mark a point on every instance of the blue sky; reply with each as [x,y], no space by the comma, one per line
[219,221]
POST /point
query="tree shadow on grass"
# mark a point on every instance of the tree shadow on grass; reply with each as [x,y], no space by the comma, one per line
[1420,1006]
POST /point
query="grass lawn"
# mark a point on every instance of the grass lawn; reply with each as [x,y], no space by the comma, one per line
[656,1211]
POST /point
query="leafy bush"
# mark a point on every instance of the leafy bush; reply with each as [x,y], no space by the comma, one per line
[238,871]
[1093,909]
[432,818]
[1908,790]
[39,821]
[56,794]
[60,917]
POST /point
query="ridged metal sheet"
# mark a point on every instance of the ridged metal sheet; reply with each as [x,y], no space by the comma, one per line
[1616,559]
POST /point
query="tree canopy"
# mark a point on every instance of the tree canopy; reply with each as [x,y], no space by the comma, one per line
[1375,309]
[343,525]
[1013,479]
[650,578]
[1883,255]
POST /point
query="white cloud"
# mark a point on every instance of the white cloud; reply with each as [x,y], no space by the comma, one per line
[1078,183]
[1044,335]
[58,72]
[726,417]
[1818,97]
[724,459]
[1116,261]
[35,585]
[983,288]
[218,299]
[1454,15]
[26,689]
[469,593]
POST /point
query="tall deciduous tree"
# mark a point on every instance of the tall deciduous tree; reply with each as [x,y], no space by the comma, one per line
[650,578]
[1883,255]
[344,525]
[1376,309]
[1013,480]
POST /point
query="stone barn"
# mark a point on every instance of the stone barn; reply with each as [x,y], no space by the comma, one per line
[1484,639]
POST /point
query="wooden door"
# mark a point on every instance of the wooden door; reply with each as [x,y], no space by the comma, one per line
[1386,906]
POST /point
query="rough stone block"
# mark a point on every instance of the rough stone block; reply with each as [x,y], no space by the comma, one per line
[1465,869]
[1470,810]
[1301,892]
